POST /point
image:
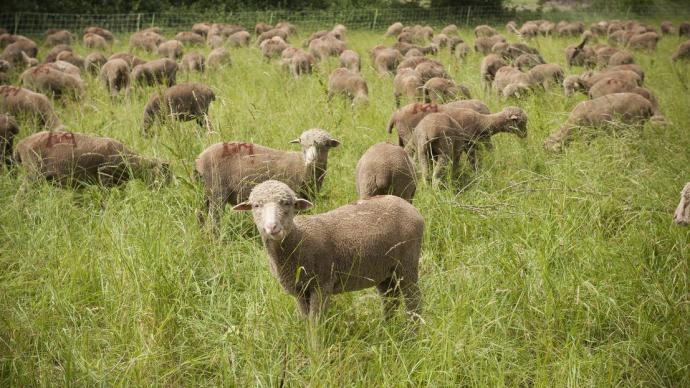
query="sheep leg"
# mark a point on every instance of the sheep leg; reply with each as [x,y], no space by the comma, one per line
[413,298]
[423,156]
[474,158]
[318,303]
[390,296]
[439,170]
[303,304]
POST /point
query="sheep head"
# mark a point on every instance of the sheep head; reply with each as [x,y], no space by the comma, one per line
[516,121]
[315,145]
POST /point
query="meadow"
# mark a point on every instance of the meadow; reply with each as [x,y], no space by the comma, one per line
[539,270]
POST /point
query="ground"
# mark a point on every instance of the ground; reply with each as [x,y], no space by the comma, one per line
[540,268]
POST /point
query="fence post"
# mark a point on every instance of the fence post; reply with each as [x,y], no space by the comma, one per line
[467,20]
[376,16]
[270,19]
[16,23]
[138,22]
[153,18]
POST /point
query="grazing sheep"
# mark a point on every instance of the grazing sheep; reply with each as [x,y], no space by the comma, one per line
[625,108]
[132,60]
[201,28]
[484,44]
[405,47]
[408,83]
[488,68]
[666,28]
[682,52]
[442,138]
[19,101]
[115,76]
[93,62]
[270,34]
[260,28]
[509,80]
[193,62]
[229,171]
[146,40]
[581,55]
[546,73]
[682,214]
[239,39]
[585,81]
[412,63]
[647,40]
[107,35]
[16,52]
[387,60]
[70,159]
[351,61]
[218,57]
[273,47]
[339,31]
[460,49]
[170,49]
[450,30]
[299,63]
[394,29]
[48,79]
[94,41]
[630,66]
[59,37]
[53,53]
[443,89]
[385,169]
[190,38]
[349,83]
[547,28]
[484,30]
[684,29]
[184,102]
[527,61]
[570,29]
[431,69]
[373,242]
[71,57]
[159,71]
[288,27]
[441,40]
[606,86]
[64,67]
[8,130]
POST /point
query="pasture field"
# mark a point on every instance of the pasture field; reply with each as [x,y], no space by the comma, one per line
[540,270]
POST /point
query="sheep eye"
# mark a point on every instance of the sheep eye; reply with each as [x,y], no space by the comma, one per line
[256,205]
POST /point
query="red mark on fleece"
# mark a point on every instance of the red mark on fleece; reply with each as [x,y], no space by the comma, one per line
[9,90]
[233,148]
[59,138]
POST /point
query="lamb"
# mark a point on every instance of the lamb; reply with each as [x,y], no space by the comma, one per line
[527,61]
[47,79]
[682,52]
[394,29]
[8,130]
[273,47]
[190,38]
[270,34]
[442,89]
[170,49]
[193,62]
[484,30]
[218,57]
[509,80]
[229,171]
[488,68]
[239,39]
[682,214]
[385,169]
[430,69]
[349,83]
[625,108]
[184,102]
[443,137]
[299,63]
[373,242]
[93,62]
[159,71]
[351,61]
[93,41]
[666,27]
[19,101]
[115,76]
[15,52]
[146,40]
[612,56]
[407,83]
[260,28]
[71,57]
[70,159]
[461,50]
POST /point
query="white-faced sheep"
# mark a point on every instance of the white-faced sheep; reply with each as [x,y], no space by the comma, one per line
[374,242]
[182,102]
[230,170]
[385,169]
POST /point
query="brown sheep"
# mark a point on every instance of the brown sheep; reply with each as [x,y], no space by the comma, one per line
[460,49]
[70,159]
[630,66]
[579,54]
[606,86]
[570,29]
[444,137]
[201,28]
[193,62]
[507,76]
[53,53]
[412,63]
[666,28]
[260,28]
[115,76]
[59,37]
[146,40]
[484,44]
[299,62]
[271,48]
[387,60]
[408,83]
[94,41]
[682,214]
[190,38]
[170,49]
[349,83]
[443,90]
[682,52]
[585,81]
[527,61]
[405,47]
[270,34]
[484,30]
[394,29]
[159,71]
[71,57]
[239,39]
[385,169]
[229,171]
[47,79]
[488,68]
[184,102]
[8,130]
[19,101]
[450,30]
[546,73]
[16,52]
[684,29]
[625,108]
[350,60]
[431,69]
[373,242]
[93,62]
[132,60]
[218,57]
[647,40]
[612,56]
[107,35]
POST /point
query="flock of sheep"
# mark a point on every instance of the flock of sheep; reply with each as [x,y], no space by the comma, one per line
[377,240]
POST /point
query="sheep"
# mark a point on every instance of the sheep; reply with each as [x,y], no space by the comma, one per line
[20,101]
[218,57]
[570,29]
[93,62]
[270,34]
[547,28]
[373,242]
[585,81]
[64,67]
[299,63]
[606,86]
[450,30]
[684,29]
[15,53]
[132,60]
[71,57]
[93,41]
[625,108]
[460,49]
[682,52]
[190,38]
[441,40]
[8,130]
[630,66]
[412,63]
[183,102]
[146,40]
[350,60]
[115,76]
[59,37]
[239,39]
[387,60]
[443,137]
[171,49]
[666,28]
[349,83]
[484,30]
[647,40]
[201,28]
[260,28]
[528,61]
[682,214]
[339,31]
[484,44]
[47,79]
[431,69]
[581,55]
[394,29]
[107,35]
[408,83]
[510,76]
[405,47]
[612,56]
[70,159]
[273,47]
[488,68]
[229,170]
[159,71]
[511,51]
[193,62]
[442,89]
[53,53]
[385,169]
[546,73]
[288,27]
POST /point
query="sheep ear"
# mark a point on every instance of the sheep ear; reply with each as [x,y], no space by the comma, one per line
[244,206]
[303,204]
[295,141]
[514,117]
[333,143]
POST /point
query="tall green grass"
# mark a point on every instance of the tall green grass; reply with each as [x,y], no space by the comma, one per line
[541,269]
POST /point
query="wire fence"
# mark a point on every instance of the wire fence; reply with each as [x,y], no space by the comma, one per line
[29,23]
